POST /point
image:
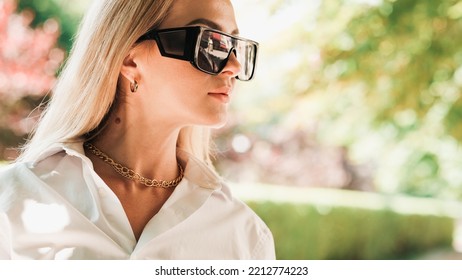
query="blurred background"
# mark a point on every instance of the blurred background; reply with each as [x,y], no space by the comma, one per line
[348,141]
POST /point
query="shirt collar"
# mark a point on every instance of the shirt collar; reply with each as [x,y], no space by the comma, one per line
[195,170]
[72,149]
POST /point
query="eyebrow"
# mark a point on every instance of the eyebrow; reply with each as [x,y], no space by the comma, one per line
[211,24]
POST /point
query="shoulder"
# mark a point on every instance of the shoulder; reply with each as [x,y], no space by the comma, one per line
[10,179]
[242,208]
[229,223]
[58,156]
[7,171]
[11,170]
[25,173]
[13,174]
[23,181]
[242,219]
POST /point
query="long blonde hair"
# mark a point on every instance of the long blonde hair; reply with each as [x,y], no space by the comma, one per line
[87,86]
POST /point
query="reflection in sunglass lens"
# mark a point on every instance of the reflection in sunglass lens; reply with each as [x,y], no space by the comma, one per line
[247,59]
[214,50]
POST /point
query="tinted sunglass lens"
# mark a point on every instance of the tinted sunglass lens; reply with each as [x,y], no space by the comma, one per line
[173,42]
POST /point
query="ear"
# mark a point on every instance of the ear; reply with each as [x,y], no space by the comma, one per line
[129,67]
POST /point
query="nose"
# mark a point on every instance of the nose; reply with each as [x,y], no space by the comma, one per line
[232,67]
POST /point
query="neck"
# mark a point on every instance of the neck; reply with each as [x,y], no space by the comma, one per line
[149,150]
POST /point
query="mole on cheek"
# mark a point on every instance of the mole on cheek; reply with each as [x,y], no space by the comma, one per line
[118,120]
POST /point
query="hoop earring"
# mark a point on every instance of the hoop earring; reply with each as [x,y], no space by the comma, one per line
[134,86]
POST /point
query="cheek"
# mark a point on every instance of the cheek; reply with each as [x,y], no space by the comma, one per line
[179,90]
[181,79]
[174,73]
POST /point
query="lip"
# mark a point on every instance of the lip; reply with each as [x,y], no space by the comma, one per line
[222,94]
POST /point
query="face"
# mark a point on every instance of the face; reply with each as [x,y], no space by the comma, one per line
[173,91]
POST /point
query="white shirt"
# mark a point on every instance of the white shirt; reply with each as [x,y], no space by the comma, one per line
[59,208]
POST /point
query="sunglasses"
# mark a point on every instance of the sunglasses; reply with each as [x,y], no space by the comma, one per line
[207,49]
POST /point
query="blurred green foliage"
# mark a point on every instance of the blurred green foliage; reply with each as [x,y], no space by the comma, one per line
[67,13]
[320,223]
[305,231]
[381,78]
[407,51]
[29,60]
[403,60]
[30,57]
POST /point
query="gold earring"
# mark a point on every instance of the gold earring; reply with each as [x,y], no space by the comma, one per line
[134,86]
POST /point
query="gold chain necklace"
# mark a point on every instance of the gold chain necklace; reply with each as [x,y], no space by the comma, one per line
[132,175]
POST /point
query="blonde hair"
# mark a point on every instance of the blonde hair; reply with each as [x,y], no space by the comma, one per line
[87,86]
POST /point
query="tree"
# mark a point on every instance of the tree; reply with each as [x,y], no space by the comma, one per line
[67,13]
[29,61]
[381,78]
[397,71]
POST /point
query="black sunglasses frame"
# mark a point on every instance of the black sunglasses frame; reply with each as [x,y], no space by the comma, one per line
[192,42]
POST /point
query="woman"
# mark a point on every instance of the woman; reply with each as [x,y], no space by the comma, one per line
[119,165]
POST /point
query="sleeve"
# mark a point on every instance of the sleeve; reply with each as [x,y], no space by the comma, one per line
[4,238]
[264,249]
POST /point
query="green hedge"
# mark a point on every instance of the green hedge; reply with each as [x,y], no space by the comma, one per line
[328,230]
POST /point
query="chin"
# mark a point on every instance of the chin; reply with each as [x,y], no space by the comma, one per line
[218,125]
[218,121]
